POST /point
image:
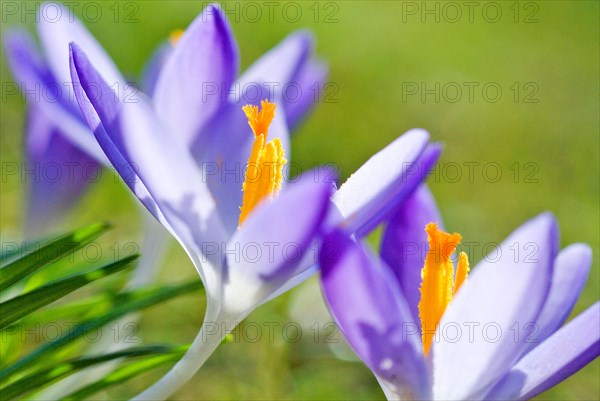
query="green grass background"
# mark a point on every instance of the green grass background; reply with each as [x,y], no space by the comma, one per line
[373,48]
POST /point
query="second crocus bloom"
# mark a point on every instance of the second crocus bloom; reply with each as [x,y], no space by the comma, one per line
[495,336]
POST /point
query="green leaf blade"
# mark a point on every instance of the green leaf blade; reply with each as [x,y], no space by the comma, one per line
[126,373]
[19,267]
[44,377]
[124,304]
[18,307]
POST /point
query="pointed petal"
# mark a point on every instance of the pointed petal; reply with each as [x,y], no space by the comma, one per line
[270,246]
[561,355]
[24,60]
[502,295]
[57,27]
[157,168]
[61,173]
[304,91]
[384,181]
[373,315]
[404,244]
[571,269]
[194,82]
[154,65]
[280,65]
[38,83]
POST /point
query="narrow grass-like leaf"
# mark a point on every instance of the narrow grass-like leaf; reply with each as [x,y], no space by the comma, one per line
[124,303]
[78,309]
[44,377]
[126,373]
[9,249]
[14,309]
[19,267]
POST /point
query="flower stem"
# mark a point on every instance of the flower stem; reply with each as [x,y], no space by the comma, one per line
[212,332]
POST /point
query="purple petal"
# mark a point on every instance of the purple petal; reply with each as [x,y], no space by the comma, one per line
[373,315]
[38,83]
[28,68]
[571,269]
[276,68]
[404,244]
[157,168]
[57,27]
[194,82]
[502,295]
[384,181]
[304,91]
[269,247]
[61,174]
[154,66]
[561,355]
[98,103]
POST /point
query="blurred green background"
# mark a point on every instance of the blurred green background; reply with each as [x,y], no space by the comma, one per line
[547,130]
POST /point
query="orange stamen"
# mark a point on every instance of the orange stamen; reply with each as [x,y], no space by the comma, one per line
[438,280]
[264,173]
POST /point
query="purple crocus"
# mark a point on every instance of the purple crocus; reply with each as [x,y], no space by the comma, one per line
[500,337]
[178,191]
[58,136]
[60,147]
[52,123]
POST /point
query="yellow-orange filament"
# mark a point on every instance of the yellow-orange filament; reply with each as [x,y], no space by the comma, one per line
[264,173]
[438,283]
[175,36]
[462,271]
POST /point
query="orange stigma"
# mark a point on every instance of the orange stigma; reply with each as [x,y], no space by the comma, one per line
[438,283]
[264,173]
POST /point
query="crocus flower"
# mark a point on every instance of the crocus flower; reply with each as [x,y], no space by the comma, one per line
[58,135]
[51,193]
[174,187]
[196,89]
[60,148]
[61,151]
[493,335]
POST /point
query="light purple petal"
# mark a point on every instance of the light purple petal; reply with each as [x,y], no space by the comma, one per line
[571,269]
[275,74]
[276,68]
[158,168]
[61,173]
[269,247]
[404,244]
[37,81]
[57,27]
[154,66]
[304,91]
[373,315]
[25,63]
[384,181]
[194,83]
[503,294]
[561,355]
